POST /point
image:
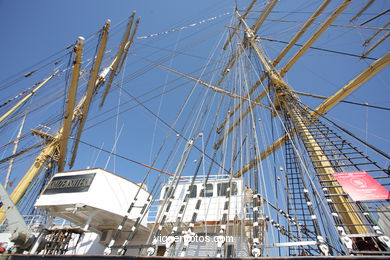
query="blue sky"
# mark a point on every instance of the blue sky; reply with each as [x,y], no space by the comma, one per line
[35,30]
[32,30]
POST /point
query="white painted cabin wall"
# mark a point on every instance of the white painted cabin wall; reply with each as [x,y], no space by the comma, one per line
[211,208]
[108,192]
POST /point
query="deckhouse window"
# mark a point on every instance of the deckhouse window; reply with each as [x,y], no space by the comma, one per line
[193,191]
[165,193]
[209,191]
[222,188]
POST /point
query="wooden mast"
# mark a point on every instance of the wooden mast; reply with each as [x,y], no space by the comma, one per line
[53,145]
[281,55]
[21,102]
[92,84]
[342,204]
[117,59]
[330,102]
[70,104]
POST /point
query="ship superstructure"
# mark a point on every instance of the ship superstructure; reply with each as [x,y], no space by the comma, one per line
[244,169]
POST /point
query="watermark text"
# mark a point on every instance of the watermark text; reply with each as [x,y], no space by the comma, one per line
[195,238]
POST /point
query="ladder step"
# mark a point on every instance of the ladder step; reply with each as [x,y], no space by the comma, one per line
[363,235]
[332,186]
[345,165]
[354,225]
[293,214]
[335,149]
[325,181]
[333,143]
[373,170]
[337,195]
[351,158]
[336,154]
[323,138]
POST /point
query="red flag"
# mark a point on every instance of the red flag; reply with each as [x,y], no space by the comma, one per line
[361,186]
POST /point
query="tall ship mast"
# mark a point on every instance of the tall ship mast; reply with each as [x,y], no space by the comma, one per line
[225,135]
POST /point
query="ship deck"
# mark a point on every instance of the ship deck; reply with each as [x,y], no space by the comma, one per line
[104,257]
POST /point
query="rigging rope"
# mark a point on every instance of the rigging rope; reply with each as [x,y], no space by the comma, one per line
[23,93]
[125,158]
[170,127]
[354,136]
[320,49]
[343,101]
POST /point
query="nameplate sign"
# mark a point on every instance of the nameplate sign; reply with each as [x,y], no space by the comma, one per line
[68,184]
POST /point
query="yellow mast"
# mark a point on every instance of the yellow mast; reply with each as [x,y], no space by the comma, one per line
[216,89]
[281,55]
[330,102]
[384,37]
[342,204]
[9,112]
[53,145]
[93,82]
[54,142]
[11,162]
[315,36]
[236,28]
[264,14]
[113,68]
[117,59]
[70,104]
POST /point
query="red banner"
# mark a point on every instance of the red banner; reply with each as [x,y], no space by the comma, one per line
[361,186]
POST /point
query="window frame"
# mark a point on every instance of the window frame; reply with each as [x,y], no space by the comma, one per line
[193,194]
[207,194]
[222,188]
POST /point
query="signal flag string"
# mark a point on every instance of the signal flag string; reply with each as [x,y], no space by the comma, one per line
[183,27]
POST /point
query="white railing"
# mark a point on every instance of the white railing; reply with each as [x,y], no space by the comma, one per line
[201,178]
